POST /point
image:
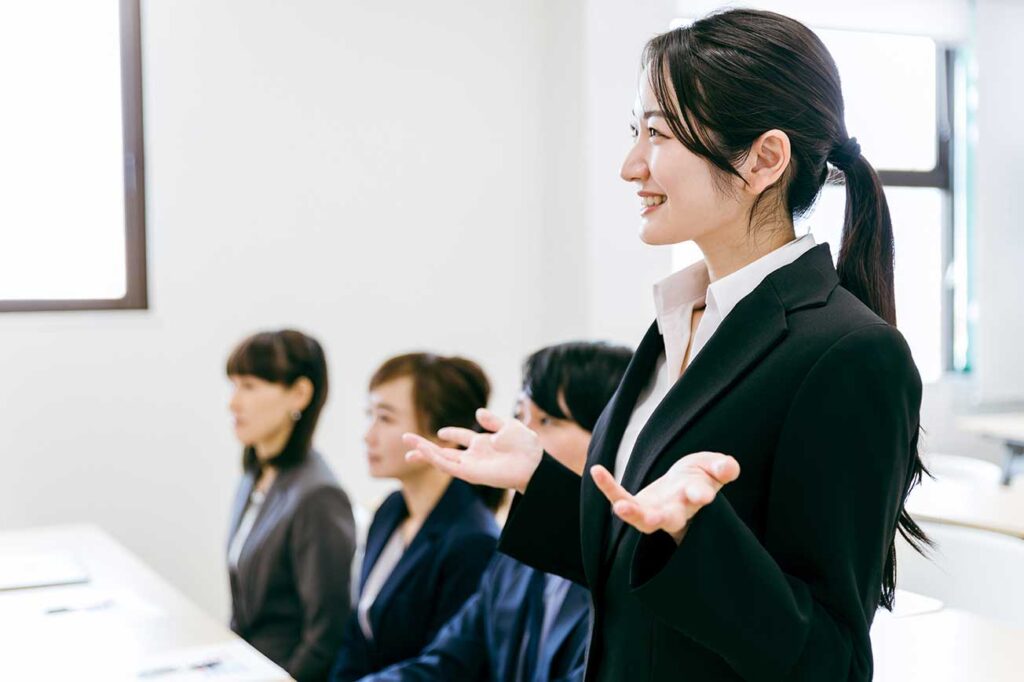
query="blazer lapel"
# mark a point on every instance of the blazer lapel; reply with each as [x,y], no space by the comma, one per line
[754,327]
[454,501]
[241,499]
[604,445]
[390,514]
[268,517]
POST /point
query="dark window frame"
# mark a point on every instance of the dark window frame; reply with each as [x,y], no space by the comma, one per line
[137,293]
[939,177]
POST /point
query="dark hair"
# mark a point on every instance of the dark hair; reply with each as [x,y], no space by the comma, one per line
[740,73]
[283,357]
[446,391]
[584,374]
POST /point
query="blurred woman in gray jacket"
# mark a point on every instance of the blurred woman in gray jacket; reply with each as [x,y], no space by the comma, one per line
[292,535]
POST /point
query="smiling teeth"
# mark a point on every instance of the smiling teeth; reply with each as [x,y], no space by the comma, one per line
[652,201]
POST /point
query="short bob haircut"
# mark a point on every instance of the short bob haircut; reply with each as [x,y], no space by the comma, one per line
[283,357]
[585,374]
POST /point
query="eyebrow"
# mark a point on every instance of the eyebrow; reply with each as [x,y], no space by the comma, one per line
[651,112]
[385,407]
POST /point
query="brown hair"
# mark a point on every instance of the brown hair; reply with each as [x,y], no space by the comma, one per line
[446,391]
[283,357]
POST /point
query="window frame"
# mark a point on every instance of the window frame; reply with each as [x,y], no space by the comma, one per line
[136,279]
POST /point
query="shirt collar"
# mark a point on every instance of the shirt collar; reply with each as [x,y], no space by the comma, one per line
[726,292]
[683,289]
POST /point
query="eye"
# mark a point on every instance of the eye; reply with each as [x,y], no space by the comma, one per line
[633,131]
[546,421]
[653,132]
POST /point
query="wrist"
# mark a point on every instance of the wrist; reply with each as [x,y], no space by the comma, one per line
[535,459]
[678,536]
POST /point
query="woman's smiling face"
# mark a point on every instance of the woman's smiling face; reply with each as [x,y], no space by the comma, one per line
[679,199]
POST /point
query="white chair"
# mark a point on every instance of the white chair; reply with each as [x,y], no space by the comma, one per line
[969,569]
[960,468]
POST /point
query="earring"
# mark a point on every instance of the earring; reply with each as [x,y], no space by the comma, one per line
[296,415]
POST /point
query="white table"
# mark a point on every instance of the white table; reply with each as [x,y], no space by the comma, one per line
[1007,427]
[992,507]
[111,628]
[948,645]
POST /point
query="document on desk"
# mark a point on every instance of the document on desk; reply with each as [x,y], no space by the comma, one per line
[233,661]
[22,570]
[75,602]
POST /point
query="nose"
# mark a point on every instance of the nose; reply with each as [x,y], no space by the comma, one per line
[233,402]
[634,167]
[368,436]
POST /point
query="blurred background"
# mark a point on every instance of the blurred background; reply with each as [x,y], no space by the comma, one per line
[393,176]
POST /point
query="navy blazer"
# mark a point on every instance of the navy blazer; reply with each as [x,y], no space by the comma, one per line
[778,579]
[477,643]
[438,572]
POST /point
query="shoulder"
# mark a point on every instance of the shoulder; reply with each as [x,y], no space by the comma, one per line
[389,511]
[315,489]
[465,540]
[845,325]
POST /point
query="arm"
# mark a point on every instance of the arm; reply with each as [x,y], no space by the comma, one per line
[799,607]
[543,527]
[322,544]
[579,661]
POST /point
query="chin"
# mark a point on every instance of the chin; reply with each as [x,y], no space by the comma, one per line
[653,236]
[655,233]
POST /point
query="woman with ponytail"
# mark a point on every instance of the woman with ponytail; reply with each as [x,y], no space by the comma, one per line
[745,484]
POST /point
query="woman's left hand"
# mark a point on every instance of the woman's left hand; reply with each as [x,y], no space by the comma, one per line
[669,502]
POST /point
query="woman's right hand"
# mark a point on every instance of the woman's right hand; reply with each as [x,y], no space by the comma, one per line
[505,457]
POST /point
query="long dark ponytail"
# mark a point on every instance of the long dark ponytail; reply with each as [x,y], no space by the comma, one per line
[730,77]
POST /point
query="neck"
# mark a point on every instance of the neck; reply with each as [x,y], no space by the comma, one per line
[422,490]
[273,445]
[727,250]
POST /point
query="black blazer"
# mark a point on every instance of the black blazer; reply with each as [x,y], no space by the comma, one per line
[778,578]
[437,573]
[290,595]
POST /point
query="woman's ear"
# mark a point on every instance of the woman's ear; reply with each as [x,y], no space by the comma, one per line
[302,392]
[767,161]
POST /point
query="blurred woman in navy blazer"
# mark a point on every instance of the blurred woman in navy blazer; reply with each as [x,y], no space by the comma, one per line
[430,541]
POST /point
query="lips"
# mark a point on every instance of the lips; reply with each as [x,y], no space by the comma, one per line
[650,201]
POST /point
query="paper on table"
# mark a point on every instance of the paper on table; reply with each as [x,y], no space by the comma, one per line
[233,661]
[73,602]
[21,570]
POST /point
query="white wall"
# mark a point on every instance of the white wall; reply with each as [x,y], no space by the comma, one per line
[386,175]
[999,255]
[622,268]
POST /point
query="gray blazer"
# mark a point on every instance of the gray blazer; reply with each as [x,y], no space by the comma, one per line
[290,595]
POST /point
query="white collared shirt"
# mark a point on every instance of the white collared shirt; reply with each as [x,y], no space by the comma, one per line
[675,299]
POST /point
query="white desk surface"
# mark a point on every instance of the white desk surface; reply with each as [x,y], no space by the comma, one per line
[947,645]
[993,507]
[1006,426]
[143,617]
[921,641]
